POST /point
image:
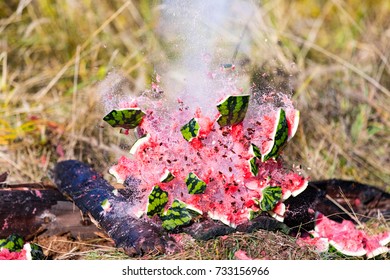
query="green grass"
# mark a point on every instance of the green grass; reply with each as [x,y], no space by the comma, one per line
[331,55]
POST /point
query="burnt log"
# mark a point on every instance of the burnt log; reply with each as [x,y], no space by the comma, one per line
[89,190]
[40,209]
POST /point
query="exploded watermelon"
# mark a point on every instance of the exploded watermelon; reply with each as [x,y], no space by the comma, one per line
[226,166]
[345,238]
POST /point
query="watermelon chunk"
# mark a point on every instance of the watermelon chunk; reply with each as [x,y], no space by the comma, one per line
[271,195]
[167,176]
[349,240]
[194,184]
[138,144]
[279,136]
[156,201]
[232,109]
[253,166]
[125,118]
[190,130]
[177,215]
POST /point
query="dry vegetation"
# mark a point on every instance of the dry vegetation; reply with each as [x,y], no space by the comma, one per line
[332,54]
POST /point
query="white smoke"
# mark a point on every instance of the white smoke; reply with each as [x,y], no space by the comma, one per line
[200,36]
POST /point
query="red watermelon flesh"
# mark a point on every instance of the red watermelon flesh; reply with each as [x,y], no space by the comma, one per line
[349,240]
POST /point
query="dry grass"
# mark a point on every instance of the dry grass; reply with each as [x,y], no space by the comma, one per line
[333,57]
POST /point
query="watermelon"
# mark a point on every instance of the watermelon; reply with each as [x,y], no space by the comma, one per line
[230,171]
[292,117]
[271,195]
[232,110]
[194,184]
[278,211]
[279,137]
[179,214]
[253,166]
[140,141]
[125,118]
[190,130]
[106,205]
[156,201]
[167,177]
[14,248]
[349,240]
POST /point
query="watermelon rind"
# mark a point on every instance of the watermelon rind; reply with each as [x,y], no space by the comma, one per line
[106,205]
[116,175]
[278,212]
[276,216]
[348,252]
[300,189]
[190,130]
[194,184]
[167,177]
[255,151]
[385,239]
[222,218]
[14,243]
[294,128]
[254,168]
[177,215]
[279,136]
[138,143]
[232,109]
[156,201]
[378,251]
[125,118]
[271,195]
[253,214]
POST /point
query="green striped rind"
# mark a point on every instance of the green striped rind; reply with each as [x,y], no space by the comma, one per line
[167,177]
[37,252]
[253,214]
[177,215]
[194,184]
[190,130]
[280,138]
[271,196]
[156,201]
[254,150]
[125,118]
[233,110]
[253,166]
[13,243]
[105,204]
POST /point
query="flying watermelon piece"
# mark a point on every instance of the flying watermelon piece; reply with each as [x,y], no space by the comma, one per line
[190,130]
[279,136]
[125,118]
[253,166]
[13,243]
[106,205]
[144,139]
[167,177]
[156,201]
[292,122]
[271,195]
[255,151]
[232,109]
[177,215]
[194,184]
